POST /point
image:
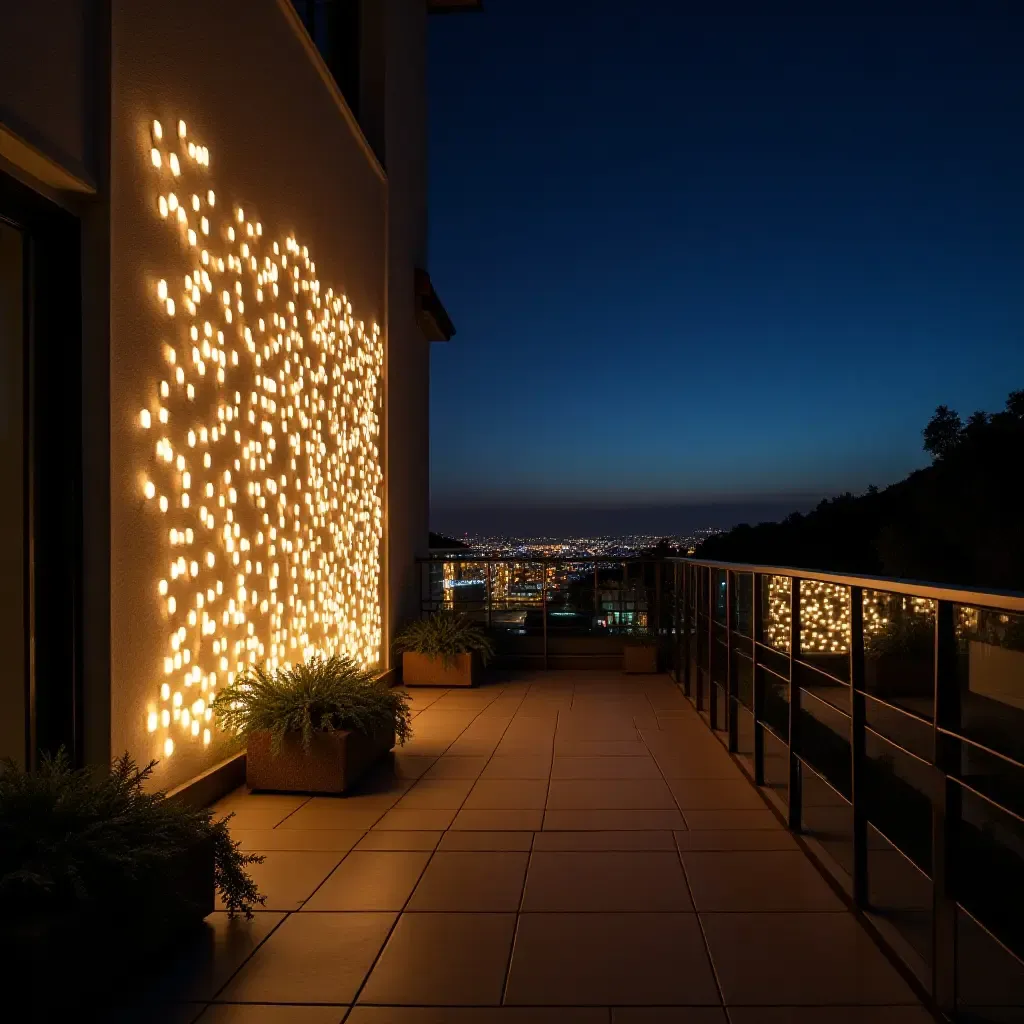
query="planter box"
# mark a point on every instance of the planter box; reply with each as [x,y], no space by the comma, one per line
[334,761]
[640,658]
[60,960]
[428,670]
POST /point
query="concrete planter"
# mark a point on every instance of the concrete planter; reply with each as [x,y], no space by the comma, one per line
[429,670]
[637,658]
[891,676]
[334,761]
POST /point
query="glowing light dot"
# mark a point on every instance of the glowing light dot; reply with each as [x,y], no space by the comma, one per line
[154,155]
[168,747]
[175,166]
[182,131]
[145,419]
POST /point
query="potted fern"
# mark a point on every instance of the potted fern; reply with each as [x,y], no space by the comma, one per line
[88,858]
[445,649]
[313,728]
[640,652]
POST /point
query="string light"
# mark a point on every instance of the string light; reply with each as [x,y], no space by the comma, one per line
[278,443]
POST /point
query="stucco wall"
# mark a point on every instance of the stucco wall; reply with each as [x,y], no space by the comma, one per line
[47,80]
[279,148]
[409,351]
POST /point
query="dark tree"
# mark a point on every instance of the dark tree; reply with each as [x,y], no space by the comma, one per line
[944,432]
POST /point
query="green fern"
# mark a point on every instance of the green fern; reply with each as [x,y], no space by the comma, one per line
[80,841]
[324,695]
[445,635]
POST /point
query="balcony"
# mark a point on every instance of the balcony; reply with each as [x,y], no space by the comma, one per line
[817,804]
[553,846]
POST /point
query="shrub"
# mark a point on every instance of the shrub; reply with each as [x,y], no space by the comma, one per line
[324,695]
[907,635]
[445,635]
[75,842]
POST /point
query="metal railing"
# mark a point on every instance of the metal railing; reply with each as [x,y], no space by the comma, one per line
[553,612]
[888,719]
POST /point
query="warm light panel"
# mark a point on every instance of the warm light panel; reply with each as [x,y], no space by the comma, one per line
[262,453]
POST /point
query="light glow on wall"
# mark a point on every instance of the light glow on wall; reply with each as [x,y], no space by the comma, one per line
[263,462]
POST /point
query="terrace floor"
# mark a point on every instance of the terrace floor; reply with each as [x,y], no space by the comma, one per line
[571,847]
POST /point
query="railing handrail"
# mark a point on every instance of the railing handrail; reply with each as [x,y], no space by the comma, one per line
[547,559]
[1005,600]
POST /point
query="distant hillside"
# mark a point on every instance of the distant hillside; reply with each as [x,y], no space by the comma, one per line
[441,542]
[959,521]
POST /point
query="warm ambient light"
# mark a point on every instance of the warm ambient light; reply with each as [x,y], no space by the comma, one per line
[265,475]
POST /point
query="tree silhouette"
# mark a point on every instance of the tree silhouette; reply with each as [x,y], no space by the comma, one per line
[944,432]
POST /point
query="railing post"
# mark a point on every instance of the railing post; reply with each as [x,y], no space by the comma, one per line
[712,701]
[597,608]
[946,810]
[489,599]
[756,628]
[686,571]
[731,689]
[857,754]
[544,608]
[795,794]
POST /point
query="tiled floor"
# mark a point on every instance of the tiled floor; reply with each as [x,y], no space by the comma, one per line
[570,847]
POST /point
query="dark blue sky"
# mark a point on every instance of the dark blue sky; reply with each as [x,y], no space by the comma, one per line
[719,259]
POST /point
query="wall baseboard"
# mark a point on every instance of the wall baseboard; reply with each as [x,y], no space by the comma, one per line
[215,782]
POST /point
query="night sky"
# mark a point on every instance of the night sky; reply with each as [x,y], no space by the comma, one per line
[709,269]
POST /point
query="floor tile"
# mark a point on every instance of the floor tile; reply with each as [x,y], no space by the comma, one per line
[604,768]
[831,1015]
[606,881]
[603,820]
[251,1013]
[757,881]
[311,958]
[471,881]
[512,820]
[508,794]
[448,767]
[754,956]
[263,839]
[609,794]
[332,813]
[370,880]
[619,840]
[257,810]
[610,960]
[443,960]
[199,968]
[736,839]
[469,840]
[411,766]
[600,748]
[710,764]
[401,819]
[433,794]
[525,766]
[476,1015]
[288,878]
[669,1015]
[743,820]
[716,794]
[384,839]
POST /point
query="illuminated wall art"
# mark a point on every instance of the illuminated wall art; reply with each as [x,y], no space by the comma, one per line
[264,462]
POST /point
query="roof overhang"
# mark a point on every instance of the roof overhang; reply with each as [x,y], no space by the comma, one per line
[433,318]
[454,6]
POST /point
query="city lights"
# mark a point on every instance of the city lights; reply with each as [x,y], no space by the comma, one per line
[270,458]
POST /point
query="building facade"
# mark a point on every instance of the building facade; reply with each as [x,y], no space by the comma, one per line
[216,314]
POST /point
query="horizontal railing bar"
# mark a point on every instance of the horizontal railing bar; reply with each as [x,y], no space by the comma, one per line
[815,771]
[991,801]
[820,671]
[1002,599]
[827,703]
[895,707]
[981,746]
[906,856]
[988,931]
[889,741]
[538,559]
